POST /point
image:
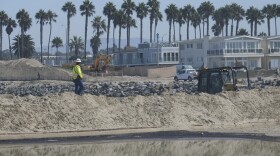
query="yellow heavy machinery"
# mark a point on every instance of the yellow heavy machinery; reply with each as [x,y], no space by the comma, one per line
[101,62]
[215,80]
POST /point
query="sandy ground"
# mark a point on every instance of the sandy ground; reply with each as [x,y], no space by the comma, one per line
[256,111]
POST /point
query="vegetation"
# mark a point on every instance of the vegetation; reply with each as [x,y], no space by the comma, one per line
[25,49]
[57,42]
[226,20]
[87,9]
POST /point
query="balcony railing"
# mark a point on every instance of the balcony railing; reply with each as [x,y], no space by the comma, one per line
[234,51]
[271,51]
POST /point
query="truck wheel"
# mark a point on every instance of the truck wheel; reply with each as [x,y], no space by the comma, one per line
[175,78]
[190,78]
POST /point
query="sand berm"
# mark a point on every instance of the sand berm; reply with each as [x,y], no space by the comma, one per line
[69,112]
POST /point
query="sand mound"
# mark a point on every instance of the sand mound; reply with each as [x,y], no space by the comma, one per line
[68,112]
[21,63]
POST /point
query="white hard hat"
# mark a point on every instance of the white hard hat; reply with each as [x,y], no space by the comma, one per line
[78,60]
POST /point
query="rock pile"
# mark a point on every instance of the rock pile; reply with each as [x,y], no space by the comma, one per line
[117,89]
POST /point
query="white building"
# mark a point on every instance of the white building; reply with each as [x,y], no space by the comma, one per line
[148,54]
[223,51]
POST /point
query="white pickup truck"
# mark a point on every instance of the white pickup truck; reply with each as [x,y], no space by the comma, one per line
[185,74]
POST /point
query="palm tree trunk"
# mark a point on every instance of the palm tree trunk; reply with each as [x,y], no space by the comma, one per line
[108,32]
[1,33]
[194,32]
[174,36]
[199,31]
[141,30]
[21,49]
[227,29]
[127,32]
[252,25]
[120,35]
[114,39]
[208,26]
[50,34]
[256,28]
[10,48]
[85,49]
[231,31]
[68,34]
[275,25]
[180,35]
[151,30]
[268,26]
[155,30]
[203,27]
[170,24]
[41,41]
[188,29]
[237,27]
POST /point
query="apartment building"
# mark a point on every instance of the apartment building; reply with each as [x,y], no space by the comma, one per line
[148,54]
[253,52]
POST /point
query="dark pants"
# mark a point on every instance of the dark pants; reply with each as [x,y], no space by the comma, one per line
[79,87]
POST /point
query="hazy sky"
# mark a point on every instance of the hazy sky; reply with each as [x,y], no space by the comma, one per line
[11,7]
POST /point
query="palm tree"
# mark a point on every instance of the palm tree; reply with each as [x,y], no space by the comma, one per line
[99,27]
[218,17]
[158,17]
[78,45]
[232,15]
[57,42]
[207,9]
[276,13]
[28,48]
[11,24]
[51,17]
[188,11]
[254,16]
[226,12]
[87,9]
[242,32]
[171,15]
[142,12]
[239,14]
[128,7]
[95,43]
[250,18]
[70,9]
[41,16]
[154,6]
[195,21]
[180,21]
[121,22]
[109,11]
[268,13]
[3,22]
[24,22]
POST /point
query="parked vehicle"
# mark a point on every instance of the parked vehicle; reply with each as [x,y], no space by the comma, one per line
[186,74]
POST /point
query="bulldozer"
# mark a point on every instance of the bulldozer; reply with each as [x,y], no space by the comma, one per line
[101,62]
[215,80]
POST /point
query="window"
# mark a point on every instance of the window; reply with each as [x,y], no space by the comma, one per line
[168,56]
[199,45]
[164,57]
[177,57]
[173,56]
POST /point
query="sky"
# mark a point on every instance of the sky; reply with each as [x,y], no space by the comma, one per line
[11,7]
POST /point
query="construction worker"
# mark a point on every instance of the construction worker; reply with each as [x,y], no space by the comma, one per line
[77,77]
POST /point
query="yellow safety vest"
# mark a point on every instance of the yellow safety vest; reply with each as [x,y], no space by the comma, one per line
[76,71]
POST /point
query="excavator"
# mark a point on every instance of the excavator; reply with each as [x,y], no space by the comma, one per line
[215,80]
[101,62]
